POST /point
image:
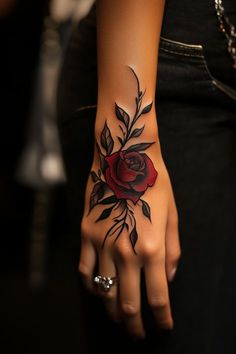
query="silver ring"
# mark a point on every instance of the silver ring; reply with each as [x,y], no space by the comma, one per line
[105,283]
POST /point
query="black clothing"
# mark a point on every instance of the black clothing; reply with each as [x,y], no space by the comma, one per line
[196,23]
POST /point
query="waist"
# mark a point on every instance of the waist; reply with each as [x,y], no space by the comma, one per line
[197,24]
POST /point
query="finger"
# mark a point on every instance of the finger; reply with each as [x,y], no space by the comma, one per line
[172,241]
[107,269]
[87,263]
[130,299]
[157,293]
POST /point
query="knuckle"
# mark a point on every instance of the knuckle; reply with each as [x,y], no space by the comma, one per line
[85,230]
[158,302]
[123,252]
[83,270]
[150,250]
[129,309]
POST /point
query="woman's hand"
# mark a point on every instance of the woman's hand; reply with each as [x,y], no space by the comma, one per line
[130,218]
[156,251]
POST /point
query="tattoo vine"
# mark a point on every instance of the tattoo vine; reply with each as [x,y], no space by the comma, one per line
[125,174]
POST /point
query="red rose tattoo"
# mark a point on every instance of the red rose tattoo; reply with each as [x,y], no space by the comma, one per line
[129,174]
[125,174]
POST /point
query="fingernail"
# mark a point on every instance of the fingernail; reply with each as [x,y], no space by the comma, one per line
[172,274]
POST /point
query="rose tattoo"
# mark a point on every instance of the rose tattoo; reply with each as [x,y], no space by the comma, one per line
[125,174]
[129,174]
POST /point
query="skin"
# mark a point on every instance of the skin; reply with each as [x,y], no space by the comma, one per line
[128,35]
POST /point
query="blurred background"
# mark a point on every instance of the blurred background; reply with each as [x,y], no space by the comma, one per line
[39,308]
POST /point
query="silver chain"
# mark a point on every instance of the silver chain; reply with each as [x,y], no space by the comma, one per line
[228,29]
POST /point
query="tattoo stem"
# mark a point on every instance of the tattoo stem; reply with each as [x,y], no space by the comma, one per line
[123,225]
[136,77]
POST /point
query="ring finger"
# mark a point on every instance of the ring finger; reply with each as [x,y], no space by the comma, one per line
[107,269]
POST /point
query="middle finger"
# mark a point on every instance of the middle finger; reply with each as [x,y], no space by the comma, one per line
[130,299]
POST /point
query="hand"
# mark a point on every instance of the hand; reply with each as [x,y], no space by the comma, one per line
[156,250]
[130,219]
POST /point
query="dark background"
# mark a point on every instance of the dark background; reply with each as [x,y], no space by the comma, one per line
[41,316]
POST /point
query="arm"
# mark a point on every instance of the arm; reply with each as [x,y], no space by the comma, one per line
[128,35]
[130,219]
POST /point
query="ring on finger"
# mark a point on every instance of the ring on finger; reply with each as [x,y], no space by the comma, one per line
[105,283]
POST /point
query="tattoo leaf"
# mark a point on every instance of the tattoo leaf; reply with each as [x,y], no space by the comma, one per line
[123,132]
[120,140]
[147,108]
[139,147]
[103,163]
[122,115]
[97,193]
[109,200]
[113,229]
[106,140]
[99,149]
[105,214]
[137,132]
[133,237]
[146,209]
[94,176]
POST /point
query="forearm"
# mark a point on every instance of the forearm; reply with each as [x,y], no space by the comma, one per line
[127,154]
[128,37]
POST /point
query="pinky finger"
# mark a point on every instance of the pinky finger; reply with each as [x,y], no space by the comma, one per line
[87,263]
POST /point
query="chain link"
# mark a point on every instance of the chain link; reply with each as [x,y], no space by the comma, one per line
[228,29]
